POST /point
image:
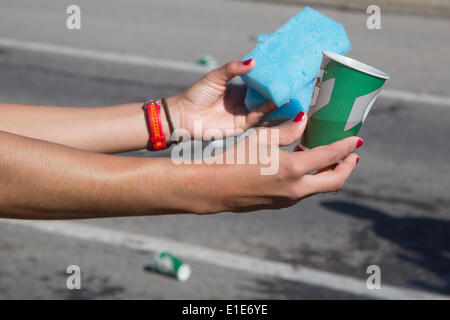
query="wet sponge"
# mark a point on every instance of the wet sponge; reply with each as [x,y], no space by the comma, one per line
[288,61]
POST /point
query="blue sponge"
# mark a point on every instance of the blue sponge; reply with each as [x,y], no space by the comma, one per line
[288,61]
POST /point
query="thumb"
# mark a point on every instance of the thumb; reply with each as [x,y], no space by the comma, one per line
[255,115]
[232,69]
[292,131]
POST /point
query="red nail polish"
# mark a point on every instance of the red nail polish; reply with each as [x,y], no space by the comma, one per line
[247,62]
[300,116]
[359,143]
[357,160]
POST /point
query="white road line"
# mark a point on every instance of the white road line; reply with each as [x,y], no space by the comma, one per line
[408,96]
[112,57]
[223,259]
[41,47]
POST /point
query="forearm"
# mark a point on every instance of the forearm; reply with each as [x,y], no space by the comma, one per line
[108,129]
[41,180]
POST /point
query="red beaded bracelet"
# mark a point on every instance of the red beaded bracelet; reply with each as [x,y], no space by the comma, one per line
[157,138]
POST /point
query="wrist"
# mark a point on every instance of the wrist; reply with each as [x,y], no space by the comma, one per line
[124,126]
[207,179]
[175,112]
[193,188]
[162,116]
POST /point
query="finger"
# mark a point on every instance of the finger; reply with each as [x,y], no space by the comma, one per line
[256,115]
[266,110]
[329,168]
[271,123]
[292,131]
[324,156]
[232,69]
[333,180]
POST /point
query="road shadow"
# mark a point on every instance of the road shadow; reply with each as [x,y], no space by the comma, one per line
[427,238]
[276,289]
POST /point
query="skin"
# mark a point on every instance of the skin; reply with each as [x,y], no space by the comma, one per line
[54,162]
[121,128]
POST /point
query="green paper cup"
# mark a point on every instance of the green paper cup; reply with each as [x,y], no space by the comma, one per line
[343,96]
[166,263]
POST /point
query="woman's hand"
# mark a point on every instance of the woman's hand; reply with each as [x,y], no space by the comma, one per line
[243,188]
[216,103]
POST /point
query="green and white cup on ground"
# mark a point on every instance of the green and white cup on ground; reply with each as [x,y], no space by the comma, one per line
[344,94]
[166,263]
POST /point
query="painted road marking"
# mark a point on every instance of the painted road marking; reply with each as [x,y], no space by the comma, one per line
[224,259]
[408,96]
[112,57]
[41,47]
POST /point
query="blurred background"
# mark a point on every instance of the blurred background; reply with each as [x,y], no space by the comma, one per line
[393,212]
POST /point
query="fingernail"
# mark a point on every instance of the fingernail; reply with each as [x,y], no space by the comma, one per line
[247,62]
[357,159]
[359,143]
[300,116]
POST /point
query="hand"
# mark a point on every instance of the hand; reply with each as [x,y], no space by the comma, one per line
[243,188]
[216,103]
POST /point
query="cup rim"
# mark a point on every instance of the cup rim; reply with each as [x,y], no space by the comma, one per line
[355,64]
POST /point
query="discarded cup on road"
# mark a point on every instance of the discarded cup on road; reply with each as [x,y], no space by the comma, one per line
[344,94]
[165,263]
[207,60]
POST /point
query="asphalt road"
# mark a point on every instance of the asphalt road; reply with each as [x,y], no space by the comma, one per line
[393,212]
